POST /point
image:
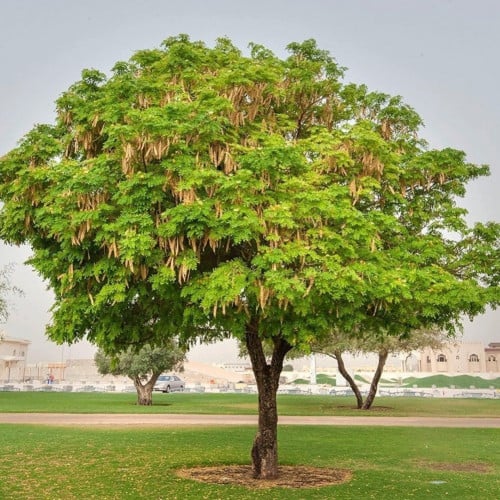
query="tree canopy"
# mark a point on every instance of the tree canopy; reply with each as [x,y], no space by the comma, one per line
[201,191]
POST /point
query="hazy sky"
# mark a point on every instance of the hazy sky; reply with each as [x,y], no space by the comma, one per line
[441,56]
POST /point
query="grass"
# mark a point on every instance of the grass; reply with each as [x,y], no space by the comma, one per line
[40,462]
[321,378]
[361,379]
[458,381]
[387,463]
[301,381]
[246,404]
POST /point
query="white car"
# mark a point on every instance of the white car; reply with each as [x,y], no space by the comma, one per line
[169,383]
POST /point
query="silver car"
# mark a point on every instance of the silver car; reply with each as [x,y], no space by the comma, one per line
[169,383]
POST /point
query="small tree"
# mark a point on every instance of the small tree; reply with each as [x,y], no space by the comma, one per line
[143,367]
[337,344]
[6,288]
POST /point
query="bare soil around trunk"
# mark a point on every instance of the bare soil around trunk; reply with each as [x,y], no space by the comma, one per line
[288,476]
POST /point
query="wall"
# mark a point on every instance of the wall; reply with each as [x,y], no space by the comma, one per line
[13,354]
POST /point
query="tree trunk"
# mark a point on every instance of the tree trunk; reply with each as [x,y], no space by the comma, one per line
[265,445]
[144,391]
[343,371]
[382,358]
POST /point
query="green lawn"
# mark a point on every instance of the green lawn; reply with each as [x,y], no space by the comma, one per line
[458,381]
[40,462]
[93,402]
[387,463]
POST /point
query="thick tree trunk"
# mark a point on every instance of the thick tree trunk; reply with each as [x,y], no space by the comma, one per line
[265,446]
[144,391]
[352,384]
[382,358]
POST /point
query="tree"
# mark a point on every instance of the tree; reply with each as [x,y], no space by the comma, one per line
[143,367]
[6,288]
[203,192]
[337,344]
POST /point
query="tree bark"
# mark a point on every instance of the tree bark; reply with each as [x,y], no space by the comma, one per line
[265,445]
[382,358]
[145,391]
[352,384]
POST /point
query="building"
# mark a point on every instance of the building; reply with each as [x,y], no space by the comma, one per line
[492,356]
[462,358]
[13,353]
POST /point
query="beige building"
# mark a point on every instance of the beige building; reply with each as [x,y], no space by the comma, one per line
[462,358]
[13,353]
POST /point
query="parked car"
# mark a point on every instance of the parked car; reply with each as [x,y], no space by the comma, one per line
[169,383]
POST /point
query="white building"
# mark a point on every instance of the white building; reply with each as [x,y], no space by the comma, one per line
[13,353]
[462,358]
[453,357]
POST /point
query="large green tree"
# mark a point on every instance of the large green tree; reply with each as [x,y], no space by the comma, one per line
[200,192]
[143,366]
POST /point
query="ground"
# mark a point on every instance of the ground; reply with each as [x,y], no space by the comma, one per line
[301,476]
[289,476]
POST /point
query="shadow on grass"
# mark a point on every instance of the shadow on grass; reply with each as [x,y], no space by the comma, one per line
[149,406]
[373,409]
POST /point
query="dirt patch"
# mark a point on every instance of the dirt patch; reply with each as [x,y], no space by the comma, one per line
[477,467]
[289,476]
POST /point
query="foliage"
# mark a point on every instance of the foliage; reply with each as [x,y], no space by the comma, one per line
[365,343]
[6,288]
[143,363]
[200,177]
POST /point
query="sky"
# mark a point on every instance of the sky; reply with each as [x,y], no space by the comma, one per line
[441,56]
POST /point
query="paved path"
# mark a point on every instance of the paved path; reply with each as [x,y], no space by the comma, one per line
[167,420]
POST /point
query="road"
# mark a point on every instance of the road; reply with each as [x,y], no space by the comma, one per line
[169,420]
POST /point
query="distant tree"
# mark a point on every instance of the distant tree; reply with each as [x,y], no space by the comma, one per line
[6,288]
[143,367]
[337,344]
[199,191]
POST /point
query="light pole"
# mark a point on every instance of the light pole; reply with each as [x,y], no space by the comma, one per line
[313,369]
